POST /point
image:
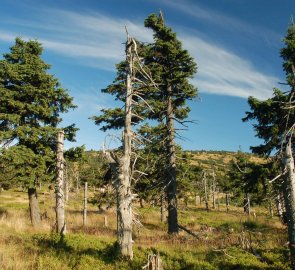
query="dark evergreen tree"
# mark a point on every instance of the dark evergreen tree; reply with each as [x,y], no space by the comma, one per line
[275,125]
[171,68]
[31,101]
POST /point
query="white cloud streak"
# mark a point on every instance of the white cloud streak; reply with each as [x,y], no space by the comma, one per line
[96,40]
[224,73]
[221,20]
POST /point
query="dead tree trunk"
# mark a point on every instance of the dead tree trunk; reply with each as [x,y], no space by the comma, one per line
[124,207]
[218,200]
[162,208]
[247,204]
[206,192]
[85,204]
[34,207]
[270,208]
[289,197]
[213,191]
[279,207]
[171,174]
[66,184]
[121,166]
[59,193]
[227,201]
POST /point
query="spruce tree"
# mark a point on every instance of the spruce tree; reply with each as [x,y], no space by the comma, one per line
[171,68]
[275,125]
[31,101]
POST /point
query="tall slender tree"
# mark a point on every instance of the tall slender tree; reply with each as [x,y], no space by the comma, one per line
[171,67]
[128,87]
[31,101]
[275,125]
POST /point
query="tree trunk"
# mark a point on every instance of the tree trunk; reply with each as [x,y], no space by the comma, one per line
[218,200]
[279,207]
[141,202]
[77,182]
[34,207]
[213,191]
[213,200]
[59,193]
[124,195]
[85,204]
[66,183]
[270,208]
[247,204]
[227,201]
[206,193]
[162,208]
[289,198]
[171,174]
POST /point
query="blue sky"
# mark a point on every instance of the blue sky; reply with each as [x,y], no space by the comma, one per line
[235,43]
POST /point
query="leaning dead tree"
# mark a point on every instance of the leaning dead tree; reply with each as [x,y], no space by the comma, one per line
[59,193]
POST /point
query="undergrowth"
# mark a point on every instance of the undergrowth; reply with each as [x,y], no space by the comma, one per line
[226,241]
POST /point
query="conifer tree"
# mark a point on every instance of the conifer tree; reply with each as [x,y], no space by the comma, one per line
[171,67]
[31,101]
[275,125]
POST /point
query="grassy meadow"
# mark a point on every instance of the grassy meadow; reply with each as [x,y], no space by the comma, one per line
[224,241]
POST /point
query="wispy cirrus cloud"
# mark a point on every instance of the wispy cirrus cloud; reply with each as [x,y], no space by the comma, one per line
[224,73]
[221,20]
[95,39]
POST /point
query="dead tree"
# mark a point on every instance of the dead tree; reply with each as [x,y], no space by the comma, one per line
[205,190]
[85,204]
[59,193]
[227,201]
[279,207]
[66,183]
[121,166]
[213,190]
[289,192]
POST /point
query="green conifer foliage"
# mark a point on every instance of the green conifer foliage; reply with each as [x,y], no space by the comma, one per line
[275,125]
[31,101]
[171,67]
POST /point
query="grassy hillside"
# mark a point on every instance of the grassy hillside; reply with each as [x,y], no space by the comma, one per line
[226,241]
[218,159]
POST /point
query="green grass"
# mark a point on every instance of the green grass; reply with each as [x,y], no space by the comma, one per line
[218,247]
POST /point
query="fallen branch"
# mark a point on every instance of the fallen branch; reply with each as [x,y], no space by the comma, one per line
[188,231]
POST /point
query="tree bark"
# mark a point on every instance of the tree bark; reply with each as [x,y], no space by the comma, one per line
[85,204]
[34,207]
[123,185]
[279,207]
[247,204]
[213,191]
[289,198]
[59,193]
[226,201]
[218,200]
[171,174]
[270,208]
[206,193]
[162,208]
[66,184]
